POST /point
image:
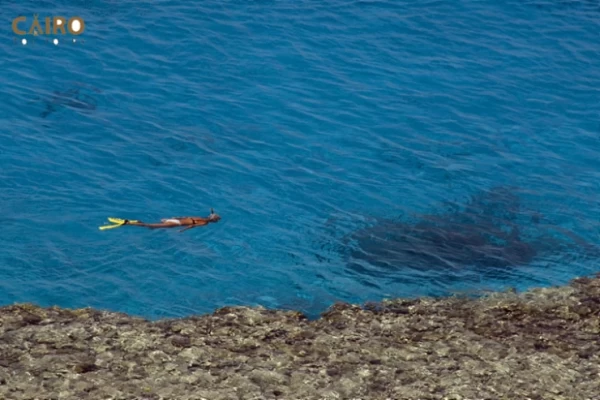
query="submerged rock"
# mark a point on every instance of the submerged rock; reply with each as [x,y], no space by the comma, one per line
[492,236]
[542,344]
[79,97]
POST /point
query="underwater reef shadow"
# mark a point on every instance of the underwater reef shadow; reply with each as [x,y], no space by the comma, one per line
[79,97]
[490,237]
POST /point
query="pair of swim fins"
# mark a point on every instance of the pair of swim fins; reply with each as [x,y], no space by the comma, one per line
[117,222]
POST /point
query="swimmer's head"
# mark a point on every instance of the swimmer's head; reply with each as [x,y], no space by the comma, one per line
[213,217]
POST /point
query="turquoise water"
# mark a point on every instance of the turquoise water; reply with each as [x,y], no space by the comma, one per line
[289,118]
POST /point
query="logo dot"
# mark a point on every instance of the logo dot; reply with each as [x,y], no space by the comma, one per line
[24,41]
[55,41]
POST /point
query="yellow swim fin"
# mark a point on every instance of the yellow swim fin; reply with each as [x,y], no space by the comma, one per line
[105,227]
[117,223]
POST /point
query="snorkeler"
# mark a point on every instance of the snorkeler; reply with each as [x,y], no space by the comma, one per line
[174,222]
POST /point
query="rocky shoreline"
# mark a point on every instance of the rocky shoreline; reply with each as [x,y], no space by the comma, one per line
[542,344]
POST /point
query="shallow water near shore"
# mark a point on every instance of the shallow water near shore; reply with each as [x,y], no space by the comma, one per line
[297,122]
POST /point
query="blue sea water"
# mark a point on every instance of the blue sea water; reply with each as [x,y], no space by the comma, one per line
[297,121]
